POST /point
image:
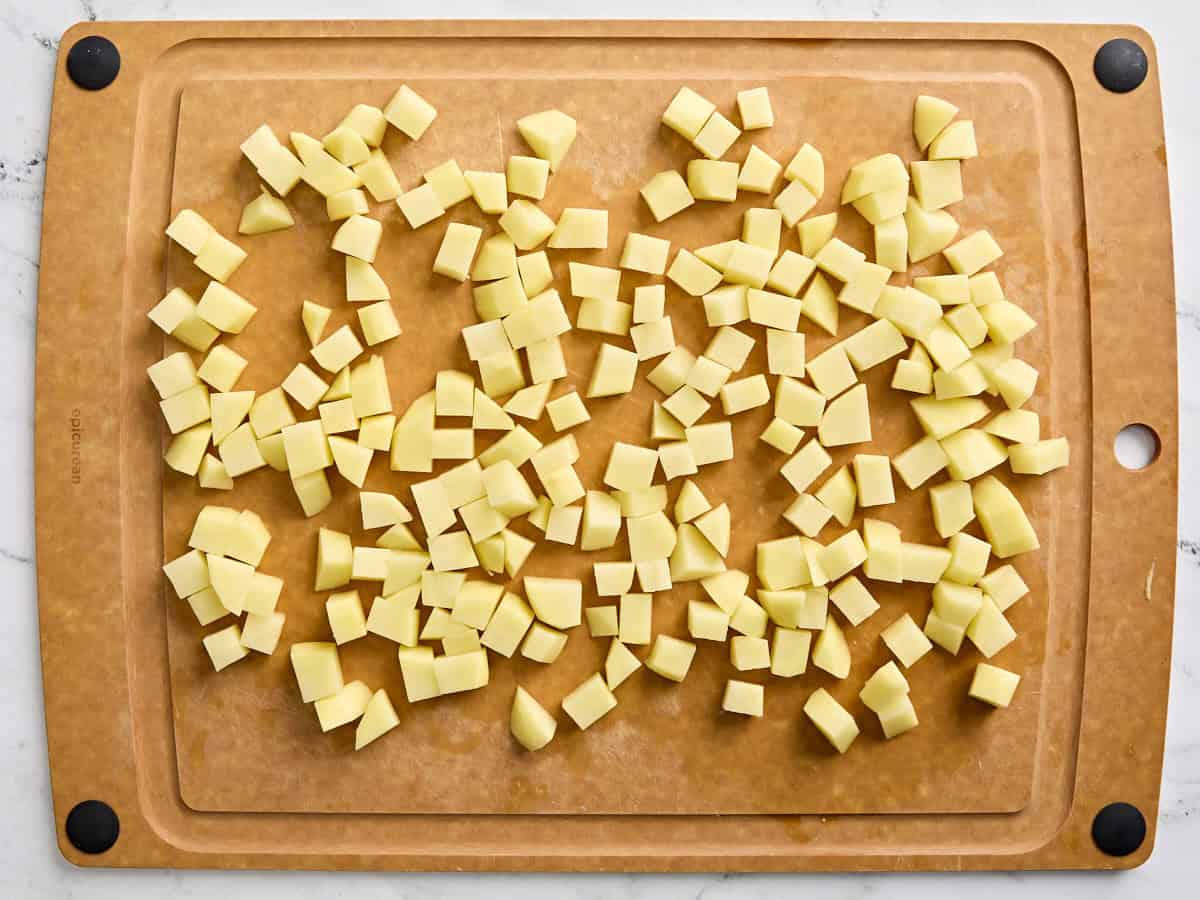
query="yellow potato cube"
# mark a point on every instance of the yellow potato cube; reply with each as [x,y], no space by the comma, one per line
[971,452]
[409,112]
[416,667]
[550,133]
[580,229]
[847,418]
[874,175]
[993,685]
[712,179]
[687,112]
[457,250]
[224,309]
[930,116]
[497,259]
[747,653]
[529,722]
[906,641]
[377,176]
[347,705]
[463,672]
[929,231]
[716,136]
[972,253]
[830,372]
[346,619]
[190,230]
[219,257]
[490,190]
[449,184]
[937,184]
[224,647]
[359,237]
[955,141]
[666,194]
[670,657]
[377,719]
[613,373]
[264,214]
[318,670]
[543,644]
[527,176]
[368,122]
[759,173]
[420,205]
[831,719]
[989,631]
[589,702]
[750,265]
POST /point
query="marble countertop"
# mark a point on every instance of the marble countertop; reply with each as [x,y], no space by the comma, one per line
[33,868]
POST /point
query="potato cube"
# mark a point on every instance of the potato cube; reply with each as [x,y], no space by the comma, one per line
[873,475]
[261,632]
[1004,585]
[781,435]
[847,418]
[820,304]
[347,705]
[754,106]
[589,702]
[338,350]
[318,670]
[712,179]
[613,372]
[831,719]
[346,619]
[219,258]
[563,524]
[874,344]
[727,305]
[363,283]
[993,685]
[490,190]
[748,653]
[830,651]
[225,647]
[190,230]
[759,174]
[378,718]
[989,631]
[187,408]
[378,322]
[453,443]
[923,563]
[543,644]
[716,137]
[550,133]
[831,373]
[670,657]
[420,205]
[224,309]
[955,141]
[687,112]
[457,250]
[529,722]
[968,324]
[206,606]
[604,316]
[346,144]
[643,253]
[239,452]
[409,112]
[839,259]
[843,555]
[906,641]
[449,184]
[368,122]
[951,506]
[930,116]
[920,462]
[776,311]
[937,183]
[220,369]
[972,253]
[359,237]
[666,194]
[584,229]
[527,176]
[173,374]
[971,452]
[464,672]
[794,202]
[711,442]
[377,177]
[417,669]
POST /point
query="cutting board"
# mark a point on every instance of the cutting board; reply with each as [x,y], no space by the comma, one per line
[230,770]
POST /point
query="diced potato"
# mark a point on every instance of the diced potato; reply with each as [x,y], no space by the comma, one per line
[951,506]
[543,644]
[1039,457]
[1004,522]
[955,141]
[666,194]
[273,162]
[529,722]
[847,419]
[377,176]
[687,112]
[490,190]
[378,718]
[263,214]
[759,174]
[873,175]
[457,250]
[930,116]
[224,647]
[318,670]
[716,137]
[670,657]
[924,563]
[830,372]
[464,672]
[550,133]
[712,179]
[527,176]
[993,685]
[409,112]
[219,258]
[776,311]
[580,229]
[906,641]
[346,620]
[831,719]
[363,283]
[368,121]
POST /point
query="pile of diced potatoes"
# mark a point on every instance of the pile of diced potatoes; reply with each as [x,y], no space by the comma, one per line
[455,585]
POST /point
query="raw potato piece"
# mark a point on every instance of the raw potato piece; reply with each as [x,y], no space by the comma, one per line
[666,194]
[754,106]
[716,137]
[956,141]
[263,214]
[712,179]
[420,206]
[409,112]
[584,229]
[831,719]
[670,657]
[993,685]
[457,250]
[530,723]
[224,647]
[589,702]
[378,719]
[906,640]
[743,698]
[550,133]
[930,116]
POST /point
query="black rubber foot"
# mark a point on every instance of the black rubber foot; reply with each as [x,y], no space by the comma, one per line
[1119,829]
[93,63]
[1121,65]
[92,826]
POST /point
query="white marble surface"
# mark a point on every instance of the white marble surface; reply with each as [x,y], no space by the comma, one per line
[32,866]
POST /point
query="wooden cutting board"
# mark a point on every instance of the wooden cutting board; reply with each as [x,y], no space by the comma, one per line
[230,770]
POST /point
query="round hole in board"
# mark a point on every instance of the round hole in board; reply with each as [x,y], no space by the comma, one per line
[1136,446]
